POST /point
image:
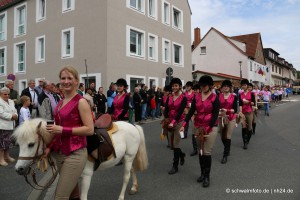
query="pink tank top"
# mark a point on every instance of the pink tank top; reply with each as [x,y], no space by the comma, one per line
[119,106]
[204,110]
[189,98]
[174,107]
[228,104]
[246,108]
[68,116]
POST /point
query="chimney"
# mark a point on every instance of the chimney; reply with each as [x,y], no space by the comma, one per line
[197,37]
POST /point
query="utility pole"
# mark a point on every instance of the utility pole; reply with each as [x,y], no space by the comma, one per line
[240,62]
[87,76]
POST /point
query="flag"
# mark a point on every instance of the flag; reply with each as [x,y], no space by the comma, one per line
[267,69]
[261,72]
[264,73]
[258,71]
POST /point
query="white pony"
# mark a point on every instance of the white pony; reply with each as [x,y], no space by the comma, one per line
[129,143]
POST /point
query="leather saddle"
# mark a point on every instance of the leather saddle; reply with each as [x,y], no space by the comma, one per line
[104,121]
[105,149]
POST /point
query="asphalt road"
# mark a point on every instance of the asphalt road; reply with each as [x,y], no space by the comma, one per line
[269,169]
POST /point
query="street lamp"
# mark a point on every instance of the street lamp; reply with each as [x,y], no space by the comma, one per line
[240,62]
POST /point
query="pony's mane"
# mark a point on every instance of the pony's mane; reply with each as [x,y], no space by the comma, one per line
[29,128]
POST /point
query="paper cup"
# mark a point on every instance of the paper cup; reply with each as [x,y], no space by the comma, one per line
[181,134]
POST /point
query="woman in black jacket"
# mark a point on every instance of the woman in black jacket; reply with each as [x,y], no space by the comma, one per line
[100,101]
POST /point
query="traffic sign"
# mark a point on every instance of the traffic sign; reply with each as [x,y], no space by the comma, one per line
[169,71]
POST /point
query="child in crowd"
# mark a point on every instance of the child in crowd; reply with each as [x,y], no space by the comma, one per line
[24,111]
[153,106]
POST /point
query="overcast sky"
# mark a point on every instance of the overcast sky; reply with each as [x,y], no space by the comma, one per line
[278,21]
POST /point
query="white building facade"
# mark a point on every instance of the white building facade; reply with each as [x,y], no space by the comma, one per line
[218,53]
[105,40]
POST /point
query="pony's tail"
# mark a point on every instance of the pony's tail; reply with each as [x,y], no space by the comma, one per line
[140,162]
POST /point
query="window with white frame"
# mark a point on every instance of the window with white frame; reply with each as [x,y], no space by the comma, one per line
[40,49]
[19,57]
[67,43]
[203,50]
[40,10]
[137,5]
[22,85]
[2,61]
[177,54]
[135,41]
[20,18]
[166,51]
[177,18]
[152,9]
[152,47]
[68,5]
[166,12]
[3,26]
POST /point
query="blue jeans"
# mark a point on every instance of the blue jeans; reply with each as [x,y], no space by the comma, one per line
[144,110]
[267,107]
[157,113]
[153,111]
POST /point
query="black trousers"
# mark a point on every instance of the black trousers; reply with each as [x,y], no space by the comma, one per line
[137,112]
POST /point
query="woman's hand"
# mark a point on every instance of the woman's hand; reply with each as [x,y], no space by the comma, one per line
[223,111]
[55,129]
[46,153]
[245,101]
[14,117]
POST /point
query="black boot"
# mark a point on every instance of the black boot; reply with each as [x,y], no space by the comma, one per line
[181,156]
[194,143]
[226,143]
[186,130]
[253,128]
[249,136]
[207,167]
[201,162]
[245,137]
[174,169]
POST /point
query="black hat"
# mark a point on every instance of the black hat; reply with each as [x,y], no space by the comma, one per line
[122,82]
[189,84]
[227,83]
[176,81]
[244,81]
[206,80]
[196,87]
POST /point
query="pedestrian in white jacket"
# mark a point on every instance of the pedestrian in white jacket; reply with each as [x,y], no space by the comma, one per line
[8,116]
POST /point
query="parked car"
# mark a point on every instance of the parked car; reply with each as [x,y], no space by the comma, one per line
[296,89]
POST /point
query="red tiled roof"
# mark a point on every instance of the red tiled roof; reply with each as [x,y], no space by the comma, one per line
[4,3]
[251,41]
[219,74]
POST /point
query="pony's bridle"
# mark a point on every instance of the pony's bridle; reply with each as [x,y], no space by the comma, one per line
[38,158]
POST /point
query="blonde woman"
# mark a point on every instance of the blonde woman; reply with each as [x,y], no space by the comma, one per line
[73,122]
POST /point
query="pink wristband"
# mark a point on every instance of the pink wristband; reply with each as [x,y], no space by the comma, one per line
[173,121]
[67,131]
[183,124]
